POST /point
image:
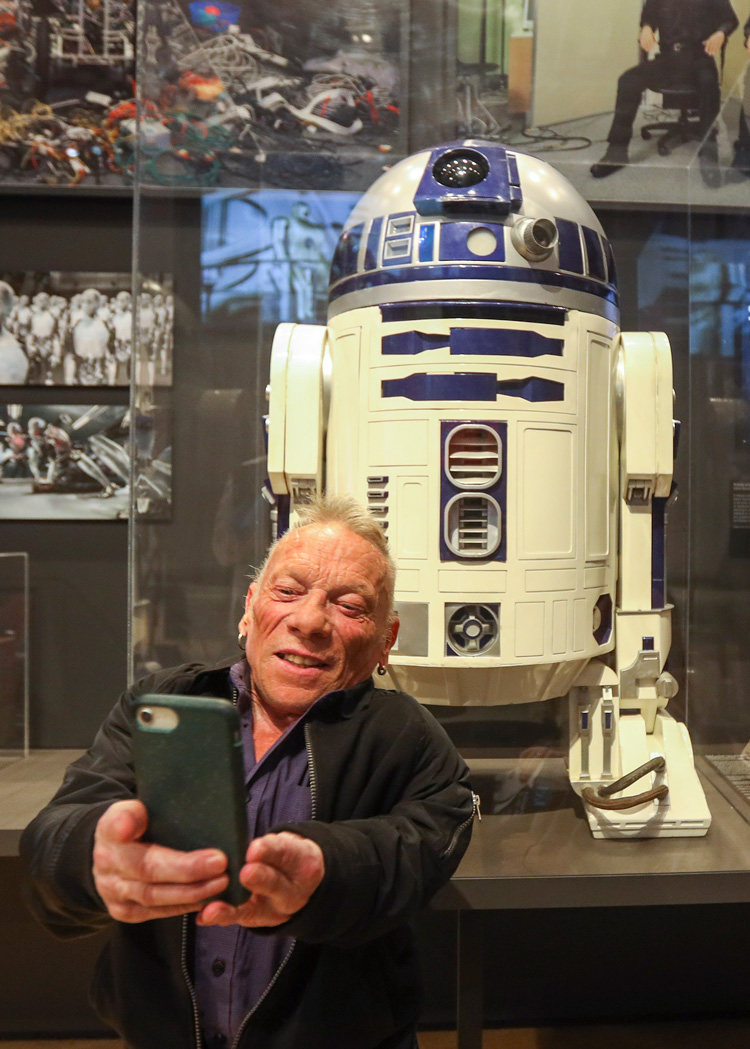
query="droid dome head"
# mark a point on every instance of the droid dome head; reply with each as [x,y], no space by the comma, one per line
[473,220]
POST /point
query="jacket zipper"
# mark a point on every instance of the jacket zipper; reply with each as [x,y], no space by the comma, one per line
[314,810]
[476,810]
[189,982]
[311,767]
[262,998]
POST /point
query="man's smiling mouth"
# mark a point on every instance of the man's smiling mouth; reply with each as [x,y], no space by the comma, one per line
[301,661]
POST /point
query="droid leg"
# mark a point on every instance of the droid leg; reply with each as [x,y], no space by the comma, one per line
[630,761]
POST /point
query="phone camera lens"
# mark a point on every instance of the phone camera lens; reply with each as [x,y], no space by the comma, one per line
[147,716]
[460,169]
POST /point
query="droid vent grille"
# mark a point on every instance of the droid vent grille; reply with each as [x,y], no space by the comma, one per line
[473,456]
[472,525]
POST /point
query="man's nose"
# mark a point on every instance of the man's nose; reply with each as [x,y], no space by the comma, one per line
[310,615]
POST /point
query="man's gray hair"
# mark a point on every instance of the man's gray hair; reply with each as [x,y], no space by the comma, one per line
[344,510]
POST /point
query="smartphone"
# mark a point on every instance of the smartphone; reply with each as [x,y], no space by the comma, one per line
[190,776]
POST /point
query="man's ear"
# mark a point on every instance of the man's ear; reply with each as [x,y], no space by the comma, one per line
[390,639]
[243,623]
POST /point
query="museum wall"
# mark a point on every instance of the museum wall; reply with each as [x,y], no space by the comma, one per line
[78,568]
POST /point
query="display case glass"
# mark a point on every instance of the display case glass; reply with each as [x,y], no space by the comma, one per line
[242,224]
[14,665]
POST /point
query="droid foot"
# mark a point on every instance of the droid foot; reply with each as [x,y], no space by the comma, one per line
[615,158]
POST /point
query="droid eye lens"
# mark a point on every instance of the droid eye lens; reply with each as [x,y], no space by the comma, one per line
[461,168]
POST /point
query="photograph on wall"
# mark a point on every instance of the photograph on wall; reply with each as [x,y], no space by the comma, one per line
[76,329]
[235,92]
[66,86]
[633,102]
[269,251]
[73,462]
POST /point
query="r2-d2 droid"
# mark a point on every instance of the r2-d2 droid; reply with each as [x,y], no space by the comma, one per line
[472,388]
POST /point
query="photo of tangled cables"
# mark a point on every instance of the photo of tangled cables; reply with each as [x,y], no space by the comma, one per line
[231,94]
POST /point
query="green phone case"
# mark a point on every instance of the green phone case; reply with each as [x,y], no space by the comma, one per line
[190,777]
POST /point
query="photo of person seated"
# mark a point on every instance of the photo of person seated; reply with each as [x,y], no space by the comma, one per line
[742,144]
[689,35]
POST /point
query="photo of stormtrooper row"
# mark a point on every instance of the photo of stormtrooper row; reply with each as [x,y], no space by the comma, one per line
[76,329]
[75,462]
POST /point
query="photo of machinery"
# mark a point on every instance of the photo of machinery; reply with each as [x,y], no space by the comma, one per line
[66,86]
[74,462]
[232,90]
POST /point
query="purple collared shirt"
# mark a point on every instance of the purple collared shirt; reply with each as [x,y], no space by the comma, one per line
[233,965]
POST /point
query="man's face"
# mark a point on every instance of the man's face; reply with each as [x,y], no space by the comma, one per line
[317,620]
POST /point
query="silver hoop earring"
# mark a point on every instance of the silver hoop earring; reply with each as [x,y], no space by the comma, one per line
[382,670]
[241,641]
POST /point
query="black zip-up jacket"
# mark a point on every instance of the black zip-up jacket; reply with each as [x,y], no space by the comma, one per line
[393,814]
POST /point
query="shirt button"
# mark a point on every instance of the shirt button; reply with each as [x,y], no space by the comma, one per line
[218,967]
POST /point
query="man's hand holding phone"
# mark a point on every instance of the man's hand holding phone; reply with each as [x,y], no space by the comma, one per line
[139,880]
[282,871]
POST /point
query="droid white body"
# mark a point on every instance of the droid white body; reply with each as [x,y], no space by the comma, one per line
[473,390]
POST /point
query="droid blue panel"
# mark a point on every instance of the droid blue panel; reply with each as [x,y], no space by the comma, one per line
[482,341]
[521,313]
[471,386]
[611,268]
[594,253]
[569,250]
[373,244]
[427,242]
[406,274]
[409,343]
[464,179]
[658,553]
[473,457]
[504,342]
[455,243]
[466,386]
